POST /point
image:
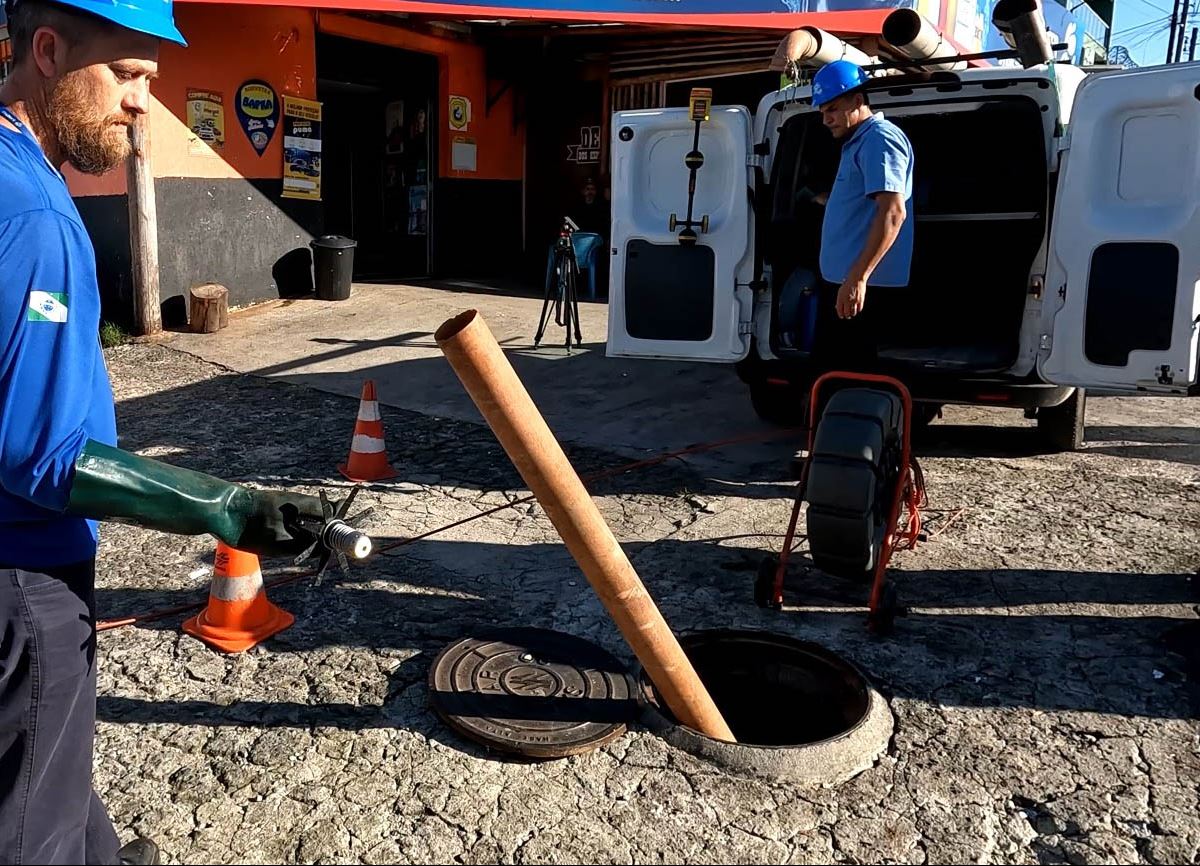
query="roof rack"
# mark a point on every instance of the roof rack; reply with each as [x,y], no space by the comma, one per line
[1002,54]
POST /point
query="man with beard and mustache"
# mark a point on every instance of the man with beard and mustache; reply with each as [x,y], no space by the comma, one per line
[81,76]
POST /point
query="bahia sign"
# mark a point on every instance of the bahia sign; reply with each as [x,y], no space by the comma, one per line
[258,112]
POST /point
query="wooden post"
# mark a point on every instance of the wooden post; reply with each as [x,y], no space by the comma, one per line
[209,311]
[143,231]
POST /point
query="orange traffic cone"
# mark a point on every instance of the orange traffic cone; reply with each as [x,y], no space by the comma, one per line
[368,456]
[238,615]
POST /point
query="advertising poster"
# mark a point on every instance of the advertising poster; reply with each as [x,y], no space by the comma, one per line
[258,113]
[206,120]
[301,148]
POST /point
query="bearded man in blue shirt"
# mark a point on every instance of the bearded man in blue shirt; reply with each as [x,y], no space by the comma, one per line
[80,77]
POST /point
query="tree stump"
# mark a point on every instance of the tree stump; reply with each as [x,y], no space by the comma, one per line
[209,308]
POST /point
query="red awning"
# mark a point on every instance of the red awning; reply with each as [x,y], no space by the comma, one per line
[854,22]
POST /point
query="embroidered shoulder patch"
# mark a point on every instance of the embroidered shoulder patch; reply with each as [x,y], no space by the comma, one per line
[47,307]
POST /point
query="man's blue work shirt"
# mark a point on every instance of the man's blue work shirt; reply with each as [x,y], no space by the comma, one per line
[54,387]
[877,158]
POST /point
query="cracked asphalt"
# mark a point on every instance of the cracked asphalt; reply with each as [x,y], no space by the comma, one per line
[1044,682]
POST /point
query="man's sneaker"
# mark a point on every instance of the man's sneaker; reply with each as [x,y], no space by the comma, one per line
[139,852]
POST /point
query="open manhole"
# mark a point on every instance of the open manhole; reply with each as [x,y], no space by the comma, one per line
[800,712]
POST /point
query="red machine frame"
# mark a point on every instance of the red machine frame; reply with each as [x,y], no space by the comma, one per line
[909,495]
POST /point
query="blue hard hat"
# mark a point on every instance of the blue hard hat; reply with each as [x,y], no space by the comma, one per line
[836,78]
[152,17]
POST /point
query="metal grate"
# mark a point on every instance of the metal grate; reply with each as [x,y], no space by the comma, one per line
[632,97]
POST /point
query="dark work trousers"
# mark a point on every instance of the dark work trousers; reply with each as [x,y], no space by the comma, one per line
[846,344]
[48,810]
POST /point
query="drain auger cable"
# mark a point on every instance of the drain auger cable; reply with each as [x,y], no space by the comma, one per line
[282,580]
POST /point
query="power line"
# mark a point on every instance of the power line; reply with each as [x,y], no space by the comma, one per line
[1144,39]
[1155,6]
[1157,22]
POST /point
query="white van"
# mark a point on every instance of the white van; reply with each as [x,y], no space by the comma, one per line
[1057,238]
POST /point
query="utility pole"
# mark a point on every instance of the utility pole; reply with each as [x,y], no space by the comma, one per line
[1174,27]
[143,231]
[1183,19]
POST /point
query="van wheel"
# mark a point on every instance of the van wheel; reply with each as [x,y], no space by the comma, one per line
[1062,426]
[852,479]
[924,414]
[783,405]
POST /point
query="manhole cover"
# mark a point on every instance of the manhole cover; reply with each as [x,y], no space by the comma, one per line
[535,692]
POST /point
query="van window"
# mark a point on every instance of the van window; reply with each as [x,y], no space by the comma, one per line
[1130,300]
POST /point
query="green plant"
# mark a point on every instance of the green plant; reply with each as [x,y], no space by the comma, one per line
[112,334]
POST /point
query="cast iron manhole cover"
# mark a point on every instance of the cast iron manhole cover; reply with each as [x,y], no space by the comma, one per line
[535,692]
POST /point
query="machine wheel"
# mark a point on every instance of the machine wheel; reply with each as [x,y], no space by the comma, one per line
[852,480]
[1061,426]
[783,405]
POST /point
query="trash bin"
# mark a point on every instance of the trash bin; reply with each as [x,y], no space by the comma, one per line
[333,266]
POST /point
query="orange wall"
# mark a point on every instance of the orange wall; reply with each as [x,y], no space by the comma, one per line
[462,71]
[227,46]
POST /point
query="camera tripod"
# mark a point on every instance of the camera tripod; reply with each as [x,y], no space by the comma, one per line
[563,292]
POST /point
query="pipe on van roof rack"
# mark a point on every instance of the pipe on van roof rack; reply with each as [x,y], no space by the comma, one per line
[1023,27]
[812,46]
[913,36]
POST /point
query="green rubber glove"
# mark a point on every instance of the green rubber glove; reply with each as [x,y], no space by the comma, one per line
[117,486]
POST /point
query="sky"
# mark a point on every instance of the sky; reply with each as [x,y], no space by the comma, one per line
[1142,27]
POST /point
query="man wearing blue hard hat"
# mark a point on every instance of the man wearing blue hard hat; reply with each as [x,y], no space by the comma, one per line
[81,75]
[867,233]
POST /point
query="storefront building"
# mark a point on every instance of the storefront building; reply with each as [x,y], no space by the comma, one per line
[447,140]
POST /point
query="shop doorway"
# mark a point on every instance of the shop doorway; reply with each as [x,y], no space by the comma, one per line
[379,153]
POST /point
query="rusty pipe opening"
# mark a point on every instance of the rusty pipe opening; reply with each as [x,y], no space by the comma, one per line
[452,327]
[1023,27]
[901,27]
[912,35]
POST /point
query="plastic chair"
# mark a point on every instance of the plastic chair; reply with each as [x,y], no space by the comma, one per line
[587,246]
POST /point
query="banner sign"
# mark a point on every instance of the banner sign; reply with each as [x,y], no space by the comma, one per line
[301,148]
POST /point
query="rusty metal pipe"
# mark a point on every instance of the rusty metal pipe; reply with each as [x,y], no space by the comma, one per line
[489,378]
